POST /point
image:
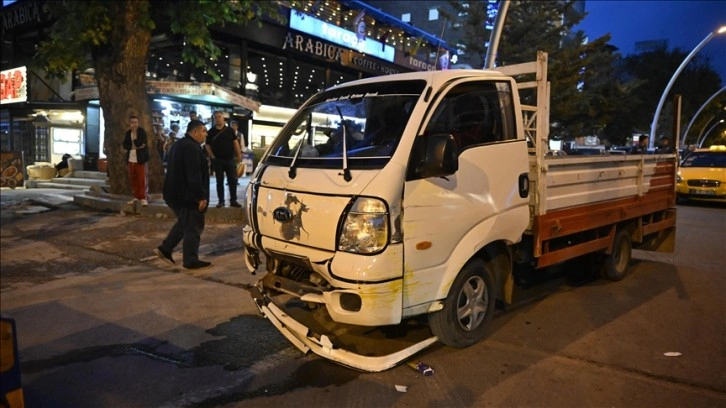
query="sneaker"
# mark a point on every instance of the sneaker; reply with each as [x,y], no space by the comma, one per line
[131,202]
[235,204]
[164,256]
[198,265]
[220,204]
[144,202]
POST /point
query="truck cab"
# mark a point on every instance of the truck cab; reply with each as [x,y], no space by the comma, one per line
[380,187]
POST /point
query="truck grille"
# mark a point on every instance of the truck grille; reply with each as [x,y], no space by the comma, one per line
[704,183]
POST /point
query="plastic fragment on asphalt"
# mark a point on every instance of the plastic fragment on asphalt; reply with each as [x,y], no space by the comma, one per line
[672,354]
[401,388]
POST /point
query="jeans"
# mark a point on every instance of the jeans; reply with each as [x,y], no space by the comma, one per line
[221,169]
[189,226]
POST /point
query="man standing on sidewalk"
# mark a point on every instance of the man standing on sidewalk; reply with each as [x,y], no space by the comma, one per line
[223,148]
[186,192]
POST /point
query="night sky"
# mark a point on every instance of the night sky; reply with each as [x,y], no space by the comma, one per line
[683,23]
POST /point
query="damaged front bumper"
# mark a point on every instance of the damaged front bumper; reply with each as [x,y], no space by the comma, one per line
[307,339]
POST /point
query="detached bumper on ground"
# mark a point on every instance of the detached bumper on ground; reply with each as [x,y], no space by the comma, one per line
[306,340]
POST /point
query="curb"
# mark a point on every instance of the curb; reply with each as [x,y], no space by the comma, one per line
[155,209]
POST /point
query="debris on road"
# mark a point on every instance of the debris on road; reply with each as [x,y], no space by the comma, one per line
[421,368]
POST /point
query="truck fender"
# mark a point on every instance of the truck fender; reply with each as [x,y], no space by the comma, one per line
[490,241]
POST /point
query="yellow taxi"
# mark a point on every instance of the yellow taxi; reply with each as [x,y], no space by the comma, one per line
[702,175]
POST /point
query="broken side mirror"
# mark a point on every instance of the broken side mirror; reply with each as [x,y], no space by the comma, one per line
[441,158]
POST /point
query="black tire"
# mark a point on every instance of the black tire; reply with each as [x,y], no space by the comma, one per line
[468,307]
[615,265]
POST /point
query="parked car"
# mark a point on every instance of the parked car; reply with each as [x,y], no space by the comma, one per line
[702,175]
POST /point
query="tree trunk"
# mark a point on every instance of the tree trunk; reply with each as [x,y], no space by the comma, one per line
[121,74]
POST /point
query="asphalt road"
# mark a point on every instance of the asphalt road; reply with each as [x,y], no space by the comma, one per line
[102,323]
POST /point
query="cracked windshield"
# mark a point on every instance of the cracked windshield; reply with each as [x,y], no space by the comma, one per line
[361,124]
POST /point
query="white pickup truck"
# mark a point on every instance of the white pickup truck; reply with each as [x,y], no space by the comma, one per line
[423,194]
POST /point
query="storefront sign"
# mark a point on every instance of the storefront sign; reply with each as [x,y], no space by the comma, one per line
[367,64]
[22,13]
[13,85]
[413,63]
[237,99]
[338,35]
[178,88]
[86,93]
[314,47]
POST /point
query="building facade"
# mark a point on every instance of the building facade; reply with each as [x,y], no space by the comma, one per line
[266,72]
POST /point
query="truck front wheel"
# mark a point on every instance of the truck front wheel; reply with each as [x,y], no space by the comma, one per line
[467,308]
[615,265]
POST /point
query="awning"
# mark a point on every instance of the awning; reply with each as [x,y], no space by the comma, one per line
[207,92]
[193,91]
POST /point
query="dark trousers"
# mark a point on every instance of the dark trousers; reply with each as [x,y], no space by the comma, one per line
[189,226]
[221,169]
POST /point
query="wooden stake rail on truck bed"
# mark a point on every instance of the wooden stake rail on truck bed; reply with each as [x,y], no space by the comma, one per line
[576,203]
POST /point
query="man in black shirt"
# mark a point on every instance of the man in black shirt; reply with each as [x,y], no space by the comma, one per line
[223,148]
[642,146]
[665,146]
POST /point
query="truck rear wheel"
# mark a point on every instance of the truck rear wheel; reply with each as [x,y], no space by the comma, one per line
[615,265]
[468,307]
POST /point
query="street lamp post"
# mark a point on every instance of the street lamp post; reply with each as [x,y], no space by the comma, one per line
[698,112]
[708,38]
[496,35]
[702,138]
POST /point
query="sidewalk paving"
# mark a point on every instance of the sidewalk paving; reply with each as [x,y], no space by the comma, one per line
[48,198]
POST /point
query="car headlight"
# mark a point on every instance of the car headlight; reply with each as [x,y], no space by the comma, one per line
[678,177]
[365,230]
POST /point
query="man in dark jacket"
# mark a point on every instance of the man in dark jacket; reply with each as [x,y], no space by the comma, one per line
[186,192]
[223,148]
[642,146]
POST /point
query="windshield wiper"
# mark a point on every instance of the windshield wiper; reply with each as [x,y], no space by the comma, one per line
[293,169]
[346,170]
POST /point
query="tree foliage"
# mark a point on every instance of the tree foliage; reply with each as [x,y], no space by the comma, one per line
[651,72]
[584,93]
[471,29]
[594,91]
[114,37]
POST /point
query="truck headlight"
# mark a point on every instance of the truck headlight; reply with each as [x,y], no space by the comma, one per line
[365,230]
[246,200]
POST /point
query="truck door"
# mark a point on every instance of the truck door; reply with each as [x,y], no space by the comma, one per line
[446,220]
